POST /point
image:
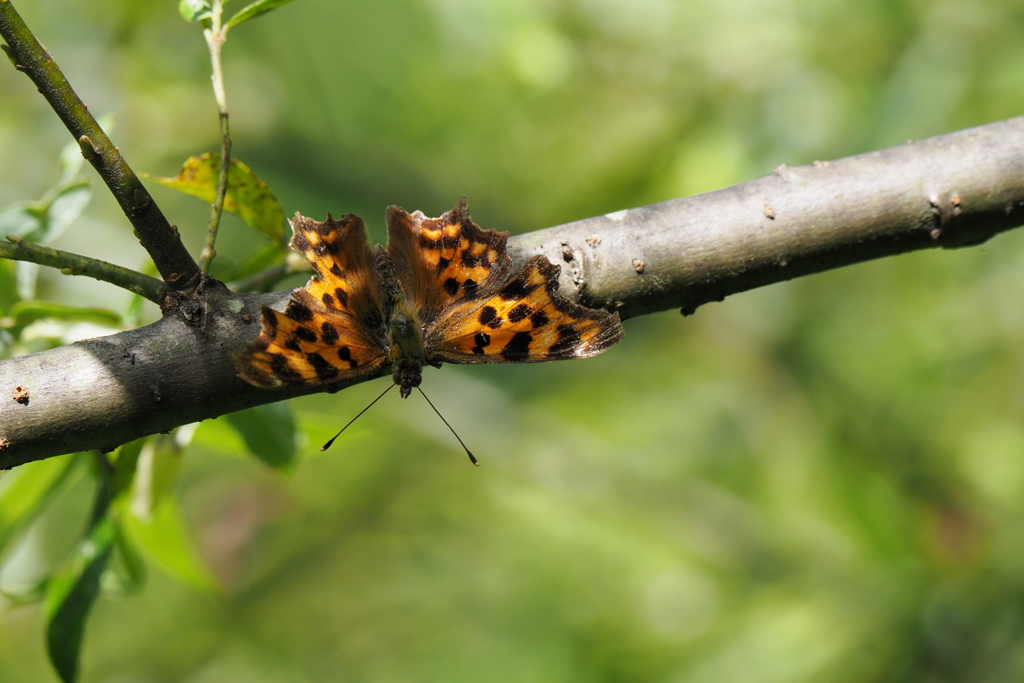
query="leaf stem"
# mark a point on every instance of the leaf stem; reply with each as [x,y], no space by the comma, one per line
[75,264]
[215,37]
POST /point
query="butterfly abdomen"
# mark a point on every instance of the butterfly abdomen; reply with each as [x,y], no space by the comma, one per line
[407,355]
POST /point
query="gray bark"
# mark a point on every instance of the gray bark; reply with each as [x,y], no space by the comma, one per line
[949,191]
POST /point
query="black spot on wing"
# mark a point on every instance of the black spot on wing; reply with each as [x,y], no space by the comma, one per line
[451,286]
[298,312]
[305,334]
[336,270]
[487,314]
[482,341]
[345,355]
[471,260]
[292,344]
[517,288]
[328,300]
[519,312]
[443,263]
[539,319]
[329,333]
[341,295]
[324,370]
[279,366]
[518,348]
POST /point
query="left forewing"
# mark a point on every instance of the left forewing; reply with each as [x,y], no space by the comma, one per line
[525,321]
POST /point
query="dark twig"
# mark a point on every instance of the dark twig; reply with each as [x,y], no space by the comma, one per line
[156,235]
[76,264]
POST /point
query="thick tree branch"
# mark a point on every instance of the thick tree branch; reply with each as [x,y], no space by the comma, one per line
[949,191]
[156,235]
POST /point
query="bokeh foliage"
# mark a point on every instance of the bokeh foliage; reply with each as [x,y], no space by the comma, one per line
[821,480]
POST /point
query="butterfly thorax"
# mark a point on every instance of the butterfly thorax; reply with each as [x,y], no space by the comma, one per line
[404,332]
[405,342]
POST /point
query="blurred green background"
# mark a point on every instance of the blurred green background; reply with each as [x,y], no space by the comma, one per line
[821,480]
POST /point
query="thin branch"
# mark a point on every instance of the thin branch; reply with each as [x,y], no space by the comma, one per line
[215,38]
[950,191]
[156,235]
[76,264]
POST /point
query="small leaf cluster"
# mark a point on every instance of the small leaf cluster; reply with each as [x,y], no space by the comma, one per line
[203,11]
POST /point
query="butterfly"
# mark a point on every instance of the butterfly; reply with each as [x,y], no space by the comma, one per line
[443,291]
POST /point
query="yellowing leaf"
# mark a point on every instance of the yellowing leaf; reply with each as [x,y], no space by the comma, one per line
[248,197]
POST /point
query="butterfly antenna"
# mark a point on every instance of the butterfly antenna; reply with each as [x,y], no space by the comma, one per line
[471,458]
[328,444]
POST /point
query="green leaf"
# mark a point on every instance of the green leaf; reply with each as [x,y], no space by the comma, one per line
[125,461]
[195,10]
[25,491]
[70,597]
[165,540]
[159,461]
[46,219]
[268,432]
[254,10]
[248,197]
[27,312]
[63,209]
[19,218]
[42,221]
[127,571]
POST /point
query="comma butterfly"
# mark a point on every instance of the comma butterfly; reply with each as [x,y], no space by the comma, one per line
[442,291]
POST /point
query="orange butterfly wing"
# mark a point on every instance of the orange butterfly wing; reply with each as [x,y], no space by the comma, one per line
[525,321]
[442,261]
[333,328]
[473,310]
